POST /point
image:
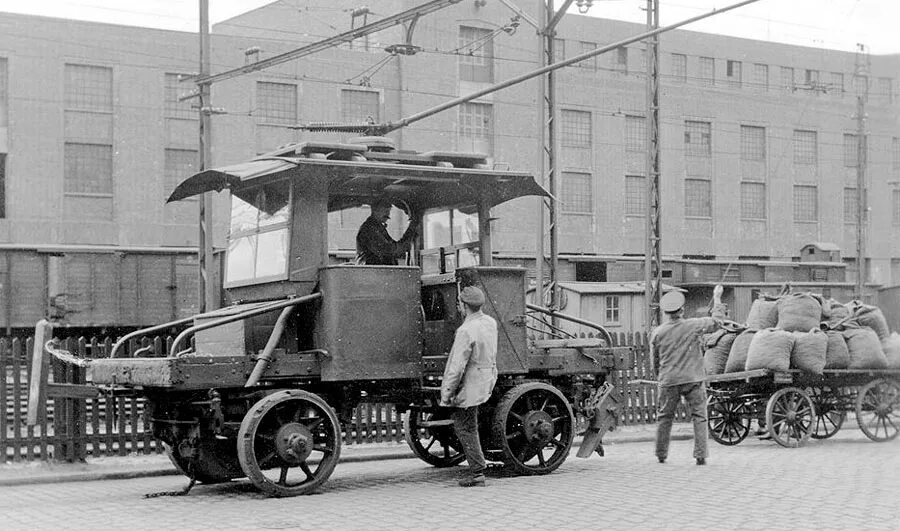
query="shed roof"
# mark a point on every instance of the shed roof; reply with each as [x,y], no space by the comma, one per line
[610,287]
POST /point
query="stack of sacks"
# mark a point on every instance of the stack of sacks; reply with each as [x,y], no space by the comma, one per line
[891,347]
[865,349]
[871,317]
[836,355]
[763,314]
[810,353]
[737,358]
[716,347]
[770,348]
[838,314]
[799,312]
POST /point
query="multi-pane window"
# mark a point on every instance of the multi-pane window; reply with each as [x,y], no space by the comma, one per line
[2,185]
[753,142]
[87,169]
[679,67]
[4,89]
[895,153]
[851,150]
[559,50]
[836,84]
[860,85]
[753,200]
[635,195]
[697,138]
[611,305]
[707,71]
[806,203]
[697,198]
[851,205]
[476,54]
[576,194]
[174,89]
[811,78]
[619,58]
[805,147]
[635,133]
[575,128]
[787,78]
[761,76]
[476,128]
[179,165]
[895,207]
[886,89]
[89,88]
[585,48]
[360,106]
[733,73]
[276,103]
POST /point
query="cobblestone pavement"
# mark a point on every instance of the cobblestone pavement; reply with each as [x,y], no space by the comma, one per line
[843,483]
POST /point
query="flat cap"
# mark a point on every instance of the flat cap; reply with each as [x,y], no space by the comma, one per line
[671,302]
[472,295]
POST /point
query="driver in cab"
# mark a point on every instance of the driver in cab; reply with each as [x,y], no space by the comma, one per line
[374,246]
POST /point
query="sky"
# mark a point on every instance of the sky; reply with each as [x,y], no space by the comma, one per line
[834,24]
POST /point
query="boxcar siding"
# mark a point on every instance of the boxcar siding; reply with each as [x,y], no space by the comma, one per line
[28,287]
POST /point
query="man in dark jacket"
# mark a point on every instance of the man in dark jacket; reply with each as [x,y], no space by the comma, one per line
[374,246]
[678,362]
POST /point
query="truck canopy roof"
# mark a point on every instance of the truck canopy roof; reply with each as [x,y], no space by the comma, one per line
[357,175]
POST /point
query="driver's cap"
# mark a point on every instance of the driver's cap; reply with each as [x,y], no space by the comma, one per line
[671,302]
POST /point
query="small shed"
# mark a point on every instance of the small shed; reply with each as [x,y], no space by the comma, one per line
[820,252]
[619,306]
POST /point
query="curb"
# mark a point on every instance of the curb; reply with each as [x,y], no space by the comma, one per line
[390,454]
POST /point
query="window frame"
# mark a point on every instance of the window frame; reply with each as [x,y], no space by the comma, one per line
[257,231]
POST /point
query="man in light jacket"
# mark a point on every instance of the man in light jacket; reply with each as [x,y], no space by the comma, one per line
[469,378]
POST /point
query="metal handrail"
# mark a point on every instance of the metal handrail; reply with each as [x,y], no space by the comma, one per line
[146,331]
[578,320]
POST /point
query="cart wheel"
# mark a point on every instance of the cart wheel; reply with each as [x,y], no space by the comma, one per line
[878,410]
[534,425]
[285,433]
[830,413]
[432,438]
[790,416]
[729,419]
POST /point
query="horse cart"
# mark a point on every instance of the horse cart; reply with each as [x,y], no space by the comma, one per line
[263,387]
[794,405]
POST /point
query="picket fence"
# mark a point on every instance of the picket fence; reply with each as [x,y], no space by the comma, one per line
[109,425]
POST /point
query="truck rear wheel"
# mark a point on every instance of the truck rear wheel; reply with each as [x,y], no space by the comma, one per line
[431,437]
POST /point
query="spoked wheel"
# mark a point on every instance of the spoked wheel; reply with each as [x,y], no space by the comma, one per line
[289,443]
[878,410]
[790,416]
[729,419]
[216,460]
[534,425]
[830,412]
[432,438]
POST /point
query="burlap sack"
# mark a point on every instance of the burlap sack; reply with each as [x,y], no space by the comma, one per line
[839,313]
[737,358]
[836,355]
[770,349]
[810,351]
[717,348]
[865,349]
[763,314]
[872,317]
[799,312]
[891,347]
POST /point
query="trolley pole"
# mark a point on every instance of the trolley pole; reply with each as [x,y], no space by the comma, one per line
[653,250]
[208,299]
[861,152]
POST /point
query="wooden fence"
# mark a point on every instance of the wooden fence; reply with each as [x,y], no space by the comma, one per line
[74,428]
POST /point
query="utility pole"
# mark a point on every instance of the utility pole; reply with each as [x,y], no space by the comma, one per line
[653,250]
[542,155]
[861,75]
[208,299]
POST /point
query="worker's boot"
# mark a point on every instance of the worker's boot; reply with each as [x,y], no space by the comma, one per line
[474,481]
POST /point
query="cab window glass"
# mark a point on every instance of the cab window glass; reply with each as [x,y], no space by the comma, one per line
[258,239]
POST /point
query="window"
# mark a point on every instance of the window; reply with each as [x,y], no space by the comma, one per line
[643,59]
[895,153]
[88,169]
[697,198]
[895,207]
[679,67]
[258,239]
[753,201]
[89,88]
[575,128]
[886,89]
[635,133]
[707,71]
[811,79]
[276,103]
[611,305]
[585,48]
[851,205]
[753,142]
[576,194]
[2,185]
[860,85]
[4,87]
[787,78]
[476,128]
[851,151]
[174,89]
[806,203]
[836,85]
[805,147]
[761,76]
[559,50]
[179,165]
[476,55]
[733,73]
[360,106]
[635,195]
[697,138]
[619,58]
